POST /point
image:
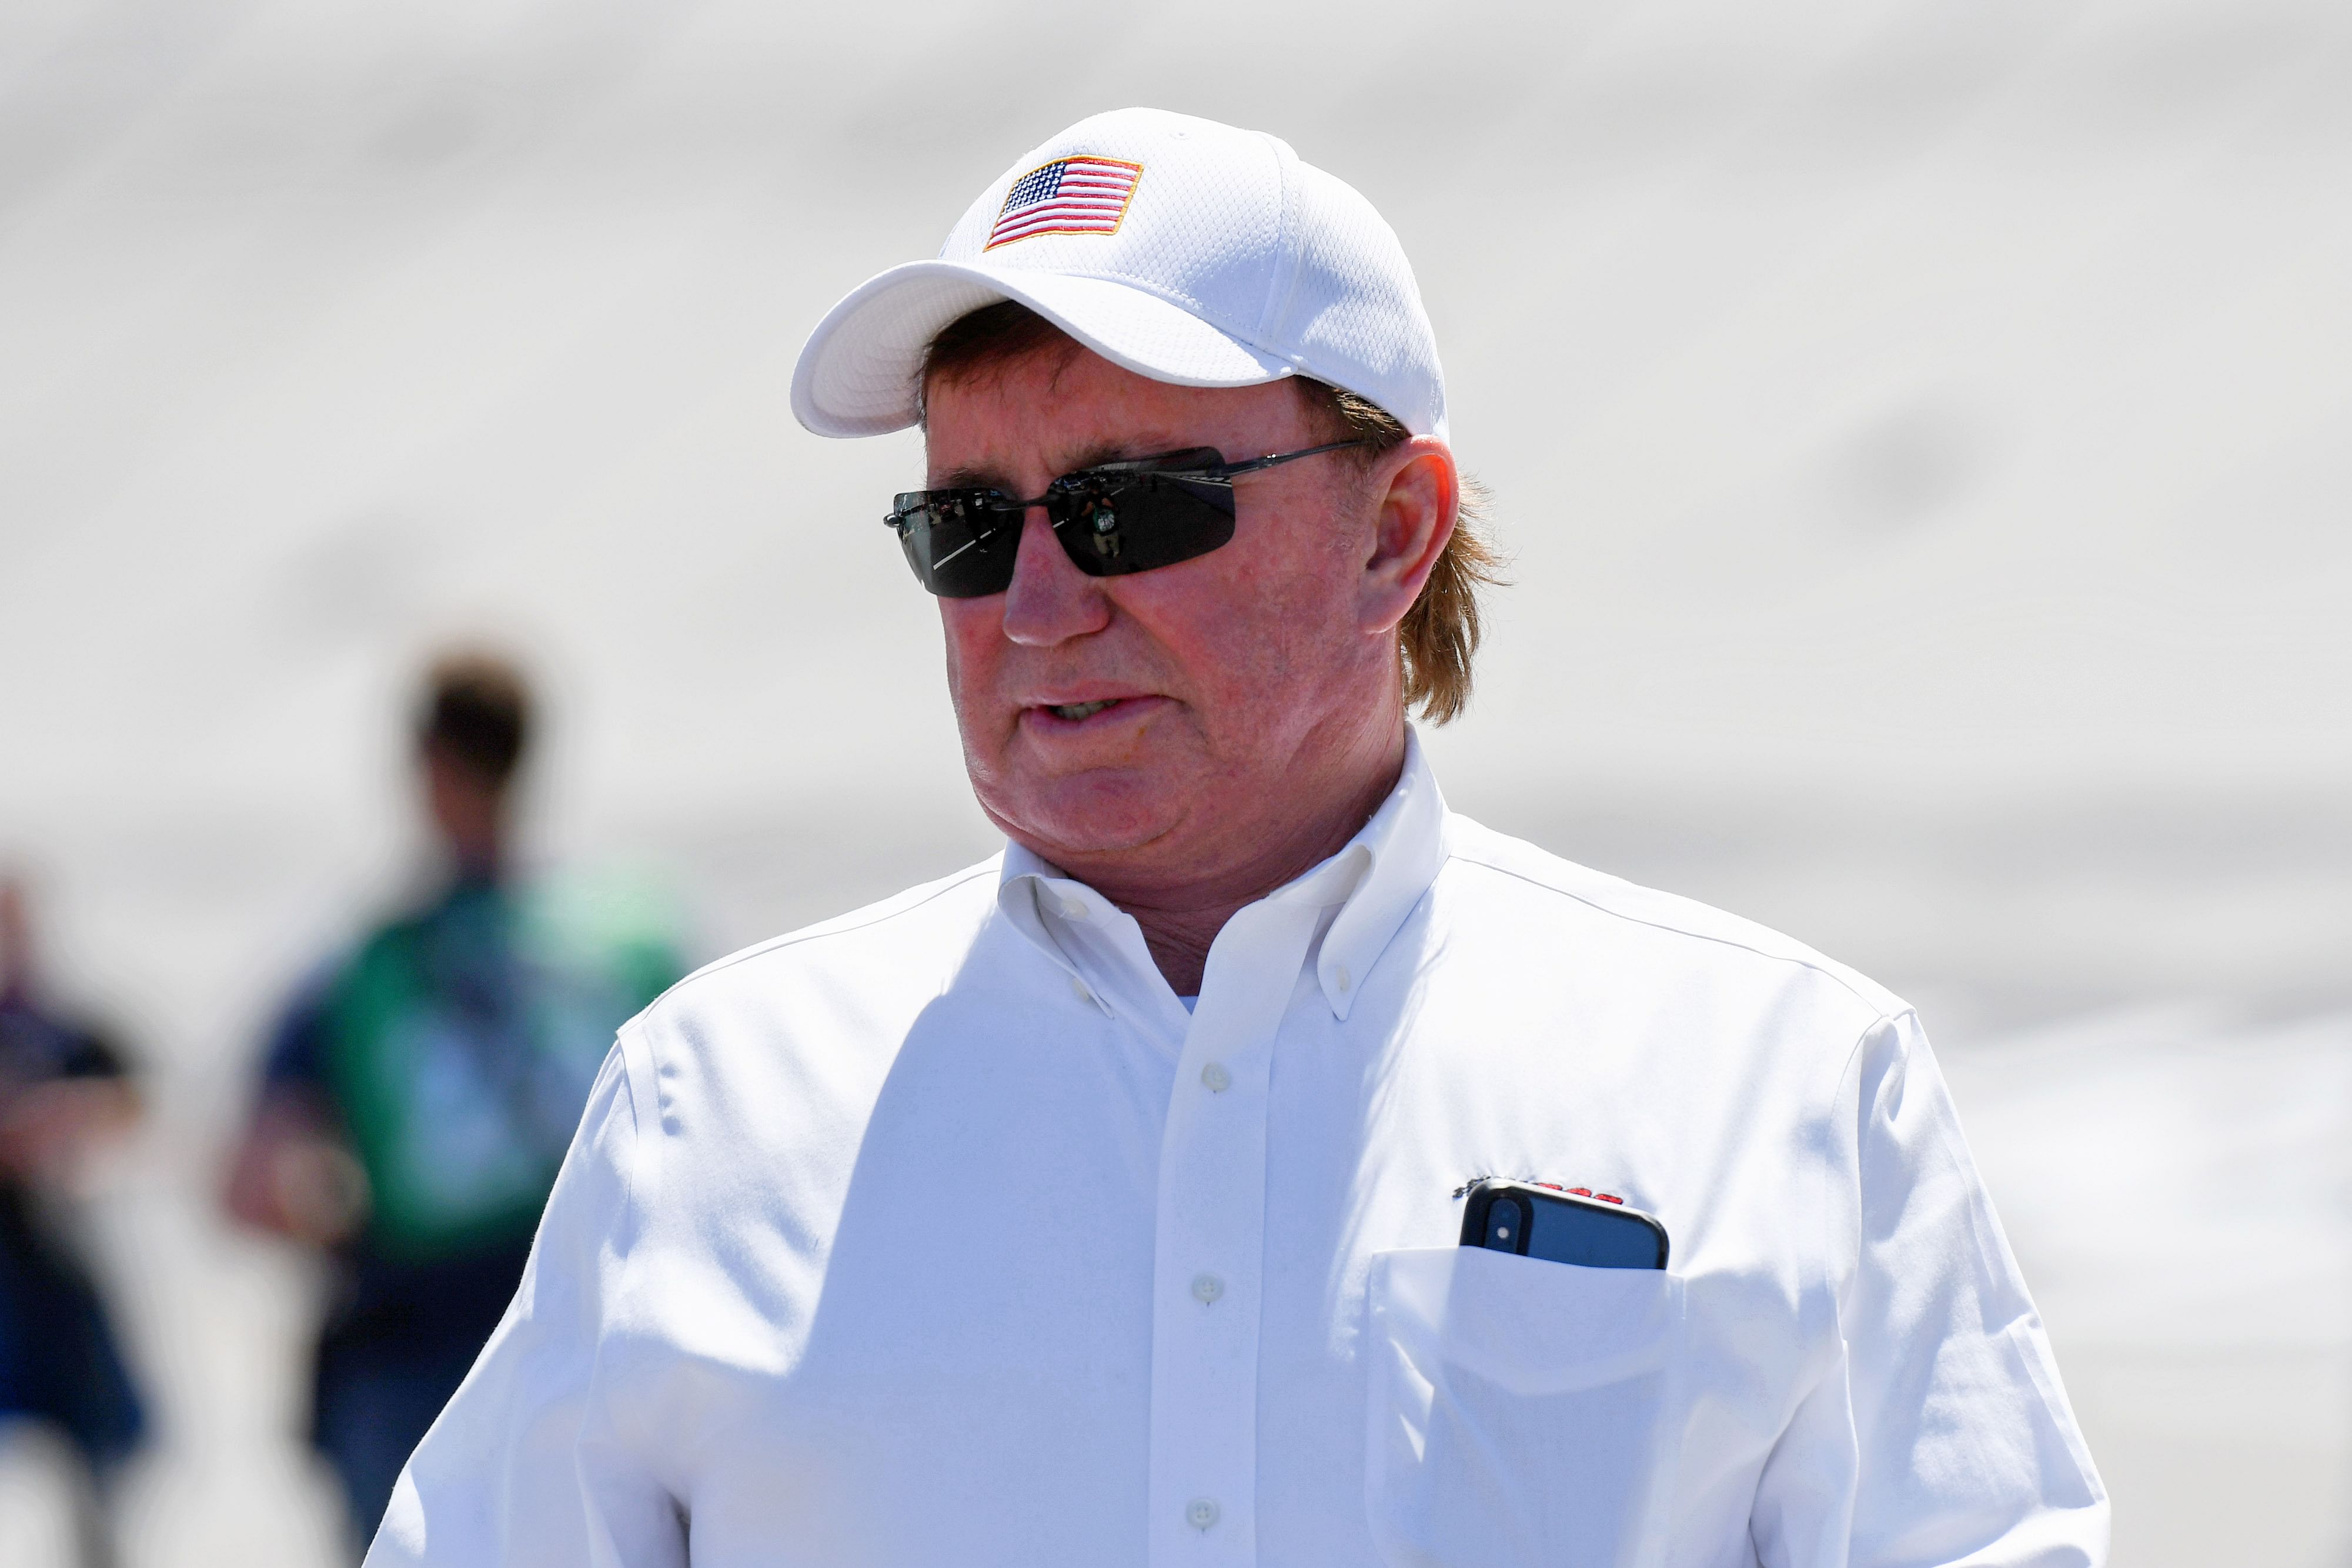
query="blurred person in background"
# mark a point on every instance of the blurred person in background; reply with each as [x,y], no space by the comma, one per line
[419,1093]
[64,1094]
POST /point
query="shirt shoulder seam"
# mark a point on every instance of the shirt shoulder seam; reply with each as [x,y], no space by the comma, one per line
[1879,1015]
[892,908]
[1851,1066]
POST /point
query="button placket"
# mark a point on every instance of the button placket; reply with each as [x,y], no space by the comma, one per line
[1209,1247]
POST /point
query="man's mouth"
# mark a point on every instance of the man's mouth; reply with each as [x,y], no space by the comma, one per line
[1075,711]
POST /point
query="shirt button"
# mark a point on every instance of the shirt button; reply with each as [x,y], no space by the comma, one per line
[1072,910]
[1201,1513]
[1339,977]
[1078,990]
[1215,1076]
[1207,1288]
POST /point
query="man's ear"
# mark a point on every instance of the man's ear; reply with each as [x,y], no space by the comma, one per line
[1418,494]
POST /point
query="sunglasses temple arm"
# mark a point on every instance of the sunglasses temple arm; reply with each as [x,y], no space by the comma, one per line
[1278,459]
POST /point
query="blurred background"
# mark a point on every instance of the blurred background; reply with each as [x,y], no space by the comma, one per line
[1923,433]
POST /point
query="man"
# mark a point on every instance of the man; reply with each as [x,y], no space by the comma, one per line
[1100,1204]
[418,1097]
[64,1093]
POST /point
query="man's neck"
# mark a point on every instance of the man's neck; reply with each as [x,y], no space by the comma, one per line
[1180,916]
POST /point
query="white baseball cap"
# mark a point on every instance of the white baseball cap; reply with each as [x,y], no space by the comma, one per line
[1181,249]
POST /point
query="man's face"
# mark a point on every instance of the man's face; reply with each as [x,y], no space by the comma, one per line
[468,806]
[1174,717]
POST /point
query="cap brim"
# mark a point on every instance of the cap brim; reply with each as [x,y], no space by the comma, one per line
[856,374]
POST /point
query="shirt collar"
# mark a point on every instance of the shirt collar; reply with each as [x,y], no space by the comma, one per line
[1374,882]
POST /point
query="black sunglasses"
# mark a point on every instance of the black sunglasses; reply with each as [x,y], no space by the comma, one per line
[1121,517]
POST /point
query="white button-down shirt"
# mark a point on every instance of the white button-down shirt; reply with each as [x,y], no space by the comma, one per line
[944,1234]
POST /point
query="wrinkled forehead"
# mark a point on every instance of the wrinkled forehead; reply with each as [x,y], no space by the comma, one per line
[1017,422]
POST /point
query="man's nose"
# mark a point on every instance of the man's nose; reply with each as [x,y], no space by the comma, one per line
[1051,600]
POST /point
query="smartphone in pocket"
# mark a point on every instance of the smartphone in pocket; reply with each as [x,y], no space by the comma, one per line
[1560,1226]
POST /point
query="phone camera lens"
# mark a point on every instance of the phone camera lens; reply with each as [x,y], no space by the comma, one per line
[1503,1224]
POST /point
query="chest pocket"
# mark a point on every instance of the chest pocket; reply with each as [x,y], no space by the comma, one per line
[1520,1412]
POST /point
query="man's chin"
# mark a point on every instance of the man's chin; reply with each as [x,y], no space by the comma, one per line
[1103,814]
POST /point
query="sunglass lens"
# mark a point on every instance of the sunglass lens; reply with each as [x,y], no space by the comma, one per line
[958,544]
[1111,526]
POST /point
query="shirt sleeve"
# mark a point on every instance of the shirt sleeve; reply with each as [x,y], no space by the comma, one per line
[1940,1434]
[525,1467]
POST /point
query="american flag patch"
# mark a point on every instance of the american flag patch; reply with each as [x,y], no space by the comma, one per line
[1080,195]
